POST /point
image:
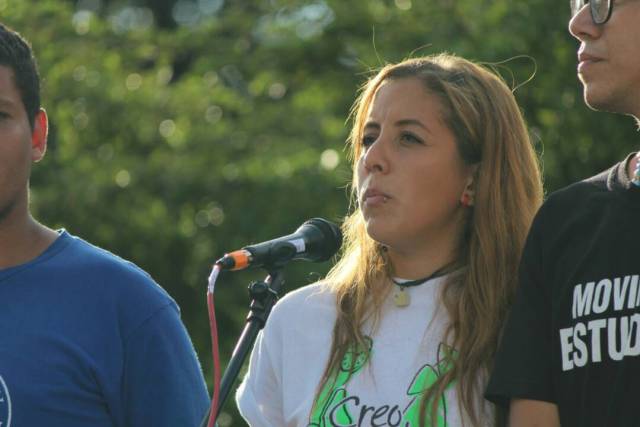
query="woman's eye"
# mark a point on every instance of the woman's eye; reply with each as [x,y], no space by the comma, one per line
[410,138]
[367,140]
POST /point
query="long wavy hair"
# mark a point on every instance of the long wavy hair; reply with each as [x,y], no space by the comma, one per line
[490,132]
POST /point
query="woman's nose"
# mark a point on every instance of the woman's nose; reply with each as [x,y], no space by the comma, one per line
[376,156]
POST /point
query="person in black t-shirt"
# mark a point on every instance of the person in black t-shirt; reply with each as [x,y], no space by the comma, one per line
[570,353]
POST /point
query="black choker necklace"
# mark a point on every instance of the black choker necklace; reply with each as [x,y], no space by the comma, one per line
[401,296]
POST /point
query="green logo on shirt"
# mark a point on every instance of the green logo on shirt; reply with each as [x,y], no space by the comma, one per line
[335,407]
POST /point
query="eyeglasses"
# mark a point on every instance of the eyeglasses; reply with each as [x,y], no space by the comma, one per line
[600,9]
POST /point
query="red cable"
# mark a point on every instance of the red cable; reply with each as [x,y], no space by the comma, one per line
[213,412]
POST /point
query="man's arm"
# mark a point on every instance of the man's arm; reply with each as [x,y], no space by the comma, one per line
[533,413]
[162,383]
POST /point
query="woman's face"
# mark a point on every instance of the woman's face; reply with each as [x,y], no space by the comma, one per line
[410,175]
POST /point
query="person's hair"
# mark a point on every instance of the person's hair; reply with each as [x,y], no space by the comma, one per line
[490,132]
[16,54]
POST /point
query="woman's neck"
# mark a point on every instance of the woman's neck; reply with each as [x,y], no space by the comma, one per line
[419,264]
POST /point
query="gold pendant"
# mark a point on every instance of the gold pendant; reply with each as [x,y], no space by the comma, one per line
[401,297]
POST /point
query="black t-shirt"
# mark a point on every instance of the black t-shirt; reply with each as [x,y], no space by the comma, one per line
[573,335]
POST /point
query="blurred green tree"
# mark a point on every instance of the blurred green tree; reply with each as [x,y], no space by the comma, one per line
[184,129]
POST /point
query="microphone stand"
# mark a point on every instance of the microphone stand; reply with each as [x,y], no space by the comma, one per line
[263,295]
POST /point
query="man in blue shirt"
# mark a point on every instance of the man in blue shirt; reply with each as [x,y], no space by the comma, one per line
[86,338]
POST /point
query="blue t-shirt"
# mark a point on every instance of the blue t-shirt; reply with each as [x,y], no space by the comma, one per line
[88,339]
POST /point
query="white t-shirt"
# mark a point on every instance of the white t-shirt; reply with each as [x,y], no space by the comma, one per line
[291,353]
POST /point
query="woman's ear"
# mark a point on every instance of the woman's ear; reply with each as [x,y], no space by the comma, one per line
[467,199]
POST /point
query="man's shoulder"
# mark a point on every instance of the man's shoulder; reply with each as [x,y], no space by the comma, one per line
[578,204]
[96,257]
[105,271]
[581,192]
[598,183]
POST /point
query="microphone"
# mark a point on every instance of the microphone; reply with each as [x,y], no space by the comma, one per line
[316,240]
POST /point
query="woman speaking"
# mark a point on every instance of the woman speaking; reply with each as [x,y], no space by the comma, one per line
[403,330]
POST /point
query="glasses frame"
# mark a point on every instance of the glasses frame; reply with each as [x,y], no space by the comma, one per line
[593,10]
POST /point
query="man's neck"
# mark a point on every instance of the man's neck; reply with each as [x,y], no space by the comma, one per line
[22,240]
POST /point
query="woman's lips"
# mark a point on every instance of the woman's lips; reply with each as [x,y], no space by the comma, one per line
[373,197]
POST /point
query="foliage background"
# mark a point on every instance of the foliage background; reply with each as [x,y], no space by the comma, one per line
[182,129]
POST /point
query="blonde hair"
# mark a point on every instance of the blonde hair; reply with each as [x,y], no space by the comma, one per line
[480,110]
